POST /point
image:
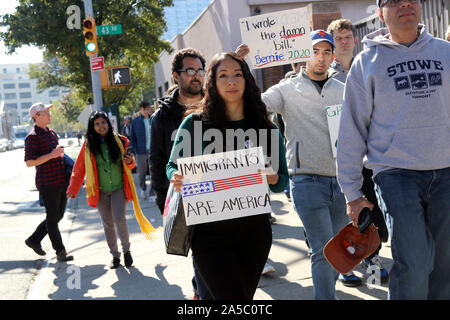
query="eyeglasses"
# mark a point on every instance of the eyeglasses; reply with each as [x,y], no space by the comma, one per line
[191,72]
[394,3]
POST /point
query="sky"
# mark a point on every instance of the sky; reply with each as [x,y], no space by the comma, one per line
[25,54]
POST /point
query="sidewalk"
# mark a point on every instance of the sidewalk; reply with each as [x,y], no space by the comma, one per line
[156,275]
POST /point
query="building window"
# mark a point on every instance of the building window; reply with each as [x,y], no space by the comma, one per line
[17,70]
[25,113]
[166,86]
[24,85]
[5,70]
[10,96]
[9,86]
[25,105]
[160,92]
[11,105]
[24,95]
[53,93]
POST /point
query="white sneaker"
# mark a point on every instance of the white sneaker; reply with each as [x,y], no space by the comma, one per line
[268,269]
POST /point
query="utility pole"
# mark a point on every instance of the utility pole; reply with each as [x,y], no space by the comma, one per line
[95,76]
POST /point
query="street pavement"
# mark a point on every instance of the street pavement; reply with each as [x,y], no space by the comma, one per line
[156,275]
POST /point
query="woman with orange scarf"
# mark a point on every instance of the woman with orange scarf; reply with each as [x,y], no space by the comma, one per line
[109,183]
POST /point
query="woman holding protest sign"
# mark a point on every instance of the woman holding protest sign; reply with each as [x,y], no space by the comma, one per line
[230,254]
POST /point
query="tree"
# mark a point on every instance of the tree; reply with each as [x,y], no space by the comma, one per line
[60,123]
[42,23]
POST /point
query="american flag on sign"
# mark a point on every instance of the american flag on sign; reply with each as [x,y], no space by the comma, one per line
[203,187]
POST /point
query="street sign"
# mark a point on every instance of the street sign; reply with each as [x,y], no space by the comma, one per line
[97,64]
[107,30]
[121,76]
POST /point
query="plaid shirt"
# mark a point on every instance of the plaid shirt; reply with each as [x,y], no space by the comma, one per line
[38,143]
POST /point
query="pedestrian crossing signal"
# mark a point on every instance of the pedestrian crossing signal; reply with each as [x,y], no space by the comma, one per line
[113,77]
[121,76]
[90,36]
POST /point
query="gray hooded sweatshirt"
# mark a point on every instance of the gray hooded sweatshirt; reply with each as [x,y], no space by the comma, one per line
[303,107]
[396,109]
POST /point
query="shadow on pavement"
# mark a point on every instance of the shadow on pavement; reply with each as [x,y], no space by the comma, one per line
[149,288]
[73,282]
[21,266]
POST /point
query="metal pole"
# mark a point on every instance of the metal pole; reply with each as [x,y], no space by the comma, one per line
[95,75]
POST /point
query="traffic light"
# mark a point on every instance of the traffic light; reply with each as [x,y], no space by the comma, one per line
[90,36]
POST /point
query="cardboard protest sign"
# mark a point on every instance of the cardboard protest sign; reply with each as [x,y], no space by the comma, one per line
[333,117]
[224,186]
[278,38]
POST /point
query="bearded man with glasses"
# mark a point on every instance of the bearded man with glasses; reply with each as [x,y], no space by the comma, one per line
[188,71]
[397,113]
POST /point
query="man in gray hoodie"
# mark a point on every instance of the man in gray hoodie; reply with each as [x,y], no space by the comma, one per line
[397,113]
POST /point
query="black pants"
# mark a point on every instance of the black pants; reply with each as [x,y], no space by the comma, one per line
[55,200]
[376,214]
[230,255]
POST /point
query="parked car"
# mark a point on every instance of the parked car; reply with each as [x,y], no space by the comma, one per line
[5,145]
[2,146]
[18,143]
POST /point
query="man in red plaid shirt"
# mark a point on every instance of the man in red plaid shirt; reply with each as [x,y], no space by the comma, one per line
[42,151]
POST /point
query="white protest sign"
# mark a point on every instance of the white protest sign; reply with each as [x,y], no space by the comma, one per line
[224,186]
[333,117]
[278,38]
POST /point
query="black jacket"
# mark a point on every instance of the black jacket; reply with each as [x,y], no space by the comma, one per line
[164,123]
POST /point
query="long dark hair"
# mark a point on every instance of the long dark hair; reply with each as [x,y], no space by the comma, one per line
[94,139]
[214,110]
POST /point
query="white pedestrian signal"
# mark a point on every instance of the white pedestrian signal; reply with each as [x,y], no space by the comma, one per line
[117,77]
[120,76]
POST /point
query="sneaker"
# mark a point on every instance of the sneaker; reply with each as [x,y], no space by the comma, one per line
[375,265]
[36,247]
[115,263]
[350,280]
[63,256]
[128,259]
[288,196]
[268,269]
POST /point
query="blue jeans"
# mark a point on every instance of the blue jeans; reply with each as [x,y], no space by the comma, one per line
[416,205]
[320,204]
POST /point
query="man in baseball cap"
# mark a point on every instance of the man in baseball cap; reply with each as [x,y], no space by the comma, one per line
[37,107]
[315,194]
[321,35]
[43,152]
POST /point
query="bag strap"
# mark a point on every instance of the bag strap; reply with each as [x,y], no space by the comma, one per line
[197,116]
